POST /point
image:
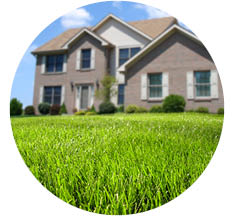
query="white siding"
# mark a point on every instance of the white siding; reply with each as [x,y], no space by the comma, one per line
[214,84]
[144,87]
[190,88]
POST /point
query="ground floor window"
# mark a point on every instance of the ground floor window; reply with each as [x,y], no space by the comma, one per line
[202,84]
[52,94]
[155,85]
[121,94]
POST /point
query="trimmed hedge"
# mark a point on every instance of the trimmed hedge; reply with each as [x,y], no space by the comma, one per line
[80,113]
[29,110]
[54,109]
[156,109]
[15,107]
[90,113]
[141,110]
[202,110]
[131,109]
[106,108]
[220,111]
[44,108]
[173,103]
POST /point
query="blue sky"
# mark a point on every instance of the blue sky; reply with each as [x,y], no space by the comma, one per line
[91,14]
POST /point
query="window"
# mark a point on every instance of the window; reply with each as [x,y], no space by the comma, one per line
[202,83]
[155,85]
[85,58]
[52,94]
[121,94]
[54,63]
[127,53]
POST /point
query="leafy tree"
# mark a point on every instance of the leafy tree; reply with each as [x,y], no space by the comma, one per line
[15,107]
[106,91]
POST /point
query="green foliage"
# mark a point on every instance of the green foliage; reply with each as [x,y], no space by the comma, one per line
[92,109]
[131,109]
[156,109]
[202,110]
[80,113]
[141,110]
[29,110]
[190,110]
[107,108]
[106,91]
[118,164]
[220,111]
[15,107]
[173,103]
[44,108]
[63,109]
[54,109]
[120,108]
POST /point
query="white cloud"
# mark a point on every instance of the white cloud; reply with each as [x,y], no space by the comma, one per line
[76,18]
[117,4]
[151,11]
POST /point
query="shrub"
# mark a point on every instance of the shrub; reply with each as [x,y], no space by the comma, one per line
[220,111]
[173,103]
[29,110]
[131,109]
[54,109]
[190,110]
[80,113]
[107,107]
[90,113]
[202,110]
[15,107]
[63,109]
[120,108]
[156,109]
[141,110]
[92,109]
[44,108]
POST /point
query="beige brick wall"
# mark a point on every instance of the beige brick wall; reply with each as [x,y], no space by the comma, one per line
[177,55]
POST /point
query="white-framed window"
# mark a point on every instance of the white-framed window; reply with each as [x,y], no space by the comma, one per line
[85,58]
[52,94]
[54,63]
[202,84]
[127,53]
[155,87]
[121,94]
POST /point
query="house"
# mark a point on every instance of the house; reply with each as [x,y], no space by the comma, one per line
[150,59]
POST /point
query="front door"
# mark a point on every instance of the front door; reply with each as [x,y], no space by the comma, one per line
[85,96]
[84,100]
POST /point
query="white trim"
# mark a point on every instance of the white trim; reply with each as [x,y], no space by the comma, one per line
[43,64]
[214,88]
[144,86]
[64,63]
[41,92]
[104,43]
[62,95]
[165,84]
[150,46]
[92,59]
[122,22]
[190,84]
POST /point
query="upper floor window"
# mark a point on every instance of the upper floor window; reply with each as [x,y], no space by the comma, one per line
[202,84]
[155,85]
[52,94]
[86,58]
[54,63]
[127,53]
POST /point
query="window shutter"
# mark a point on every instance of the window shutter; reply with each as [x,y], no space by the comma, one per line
[214,84]
[43,64]
[190,89]
[165,84]
[78,59]
[62,95]
[65,63]
[78,97]
[91,95]
[144,87]
[92,58]
[41,94]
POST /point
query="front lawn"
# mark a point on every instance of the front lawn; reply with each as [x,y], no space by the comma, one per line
[118,164]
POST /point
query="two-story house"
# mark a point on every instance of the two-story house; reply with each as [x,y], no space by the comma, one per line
[150,59]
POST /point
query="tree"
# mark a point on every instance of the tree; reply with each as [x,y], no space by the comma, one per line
[106,91]
[15,107]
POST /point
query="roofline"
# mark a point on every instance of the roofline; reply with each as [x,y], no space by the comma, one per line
[122,22]
[103,42]
[154,44]
[57,51]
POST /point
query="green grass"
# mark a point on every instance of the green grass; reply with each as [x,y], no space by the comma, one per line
[118,164]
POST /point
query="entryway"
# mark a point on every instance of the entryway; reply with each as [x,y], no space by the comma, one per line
[85,96]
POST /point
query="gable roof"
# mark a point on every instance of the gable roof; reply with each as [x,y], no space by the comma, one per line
[152,28]
[154,43]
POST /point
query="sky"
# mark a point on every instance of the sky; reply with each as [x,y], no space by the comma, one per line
[90,15]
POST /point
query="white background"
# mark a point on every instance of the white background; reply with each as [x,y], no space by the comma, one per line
[21,21]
